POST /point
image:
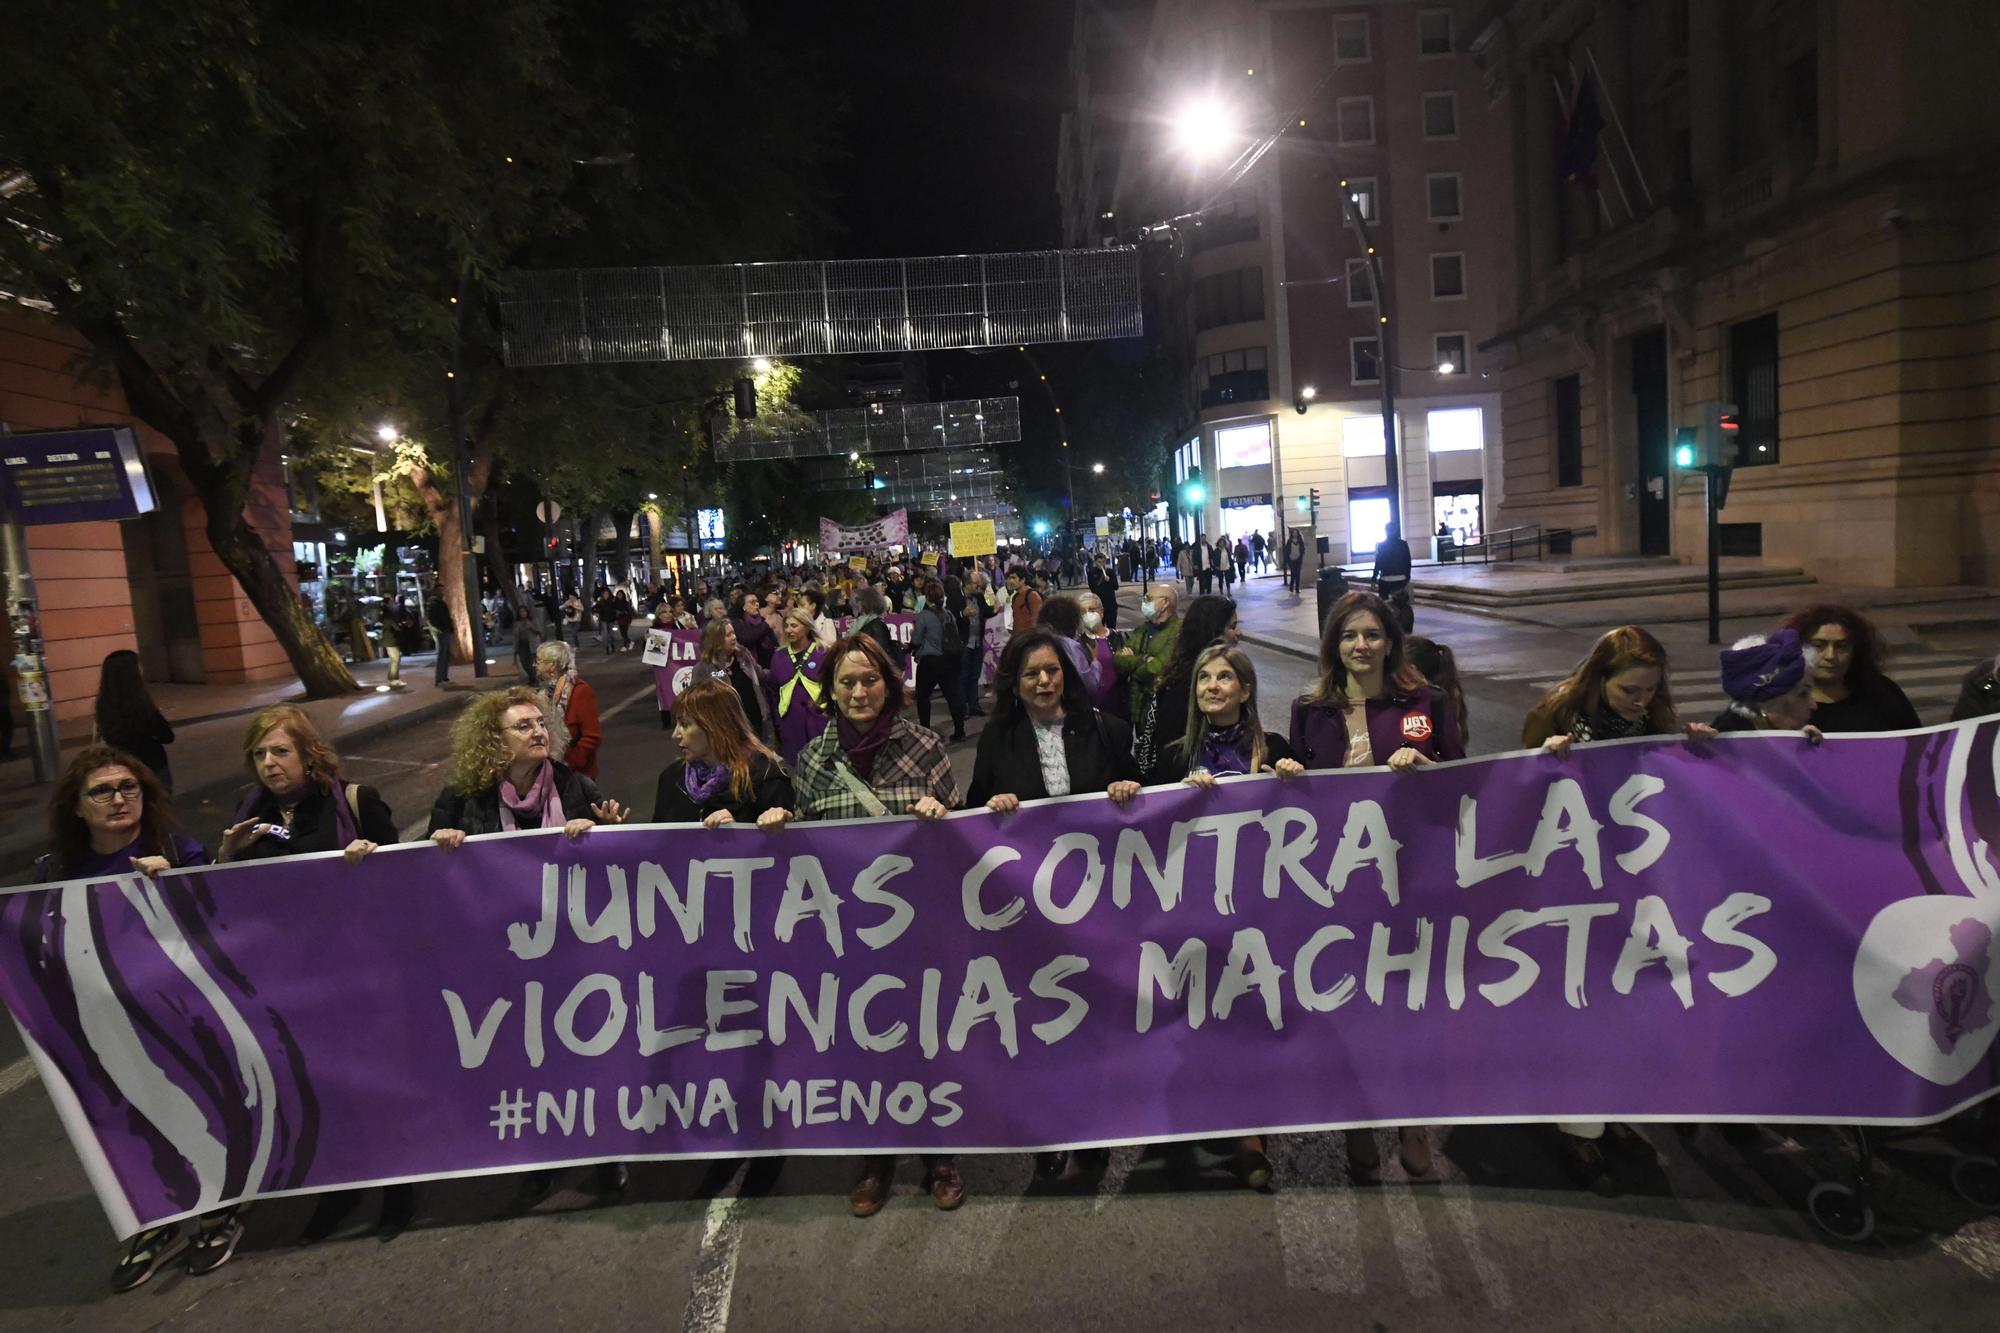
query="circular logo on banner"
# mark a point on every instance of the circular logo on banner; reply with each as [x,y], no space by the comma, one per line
[1416,726]
[682,679]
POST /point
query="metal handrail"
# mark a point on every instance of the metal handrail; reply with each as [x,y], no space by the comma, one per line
[1513,542]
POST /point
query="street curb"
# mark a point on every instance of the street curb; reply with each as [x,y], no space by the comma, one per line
[1277,647]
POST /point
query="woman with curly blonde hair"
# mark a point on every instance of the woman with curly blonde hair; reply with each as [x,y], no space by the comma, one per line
[505,775]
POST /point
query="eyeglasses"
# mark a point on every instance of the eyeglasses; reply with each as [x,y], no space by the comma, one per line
[103,792]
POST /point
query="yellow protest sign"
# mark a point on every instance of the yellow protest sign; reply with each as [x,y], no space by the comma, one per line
[859,562]
[972,538]
[930,559]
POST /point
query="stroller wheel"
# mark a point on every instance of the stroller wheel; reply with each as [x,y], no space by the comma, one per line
[1838,1211]
[1977,1180]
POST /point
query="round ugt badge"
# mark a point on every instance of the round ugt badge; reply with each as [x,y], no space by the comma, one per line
[1416,726]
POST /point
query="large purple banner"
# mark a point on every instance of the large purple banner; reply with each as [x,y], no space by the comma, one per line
[1748,929]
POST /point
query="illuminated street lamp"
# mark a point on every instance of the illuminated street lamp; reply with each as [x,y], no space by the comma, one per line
[1205,129]
[1097,468]
[386,433]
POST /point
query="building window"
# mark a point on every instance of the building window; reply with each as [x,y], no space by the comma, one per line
[1802,96]
[1753,384]
[1440,115]
[1361,437]
[1455,508]
[1361,191]
[1234,377]
[1235,297]
[1447,277]
[1357,120]
[1364,361]
[1243,446]
[1350,39]
[1445,195]
[1434,32]
[1569,431]
[1360,283]
[1449,349]
[1454,429]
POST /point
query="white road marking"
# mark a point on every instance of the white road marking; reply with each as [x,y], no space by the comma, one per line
[715,1267]
[1465,1220]
[1413,1246]
[17,1075]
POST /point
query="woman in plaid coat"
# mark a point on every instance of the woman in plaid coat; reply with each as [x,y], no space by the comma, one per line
[873,762]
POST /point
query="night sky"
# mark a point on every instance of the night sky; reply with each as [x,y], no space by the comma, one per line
[953,111]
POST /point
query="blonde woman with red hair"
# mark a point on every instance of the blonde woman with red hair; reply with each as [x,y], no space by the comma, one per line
[725,775]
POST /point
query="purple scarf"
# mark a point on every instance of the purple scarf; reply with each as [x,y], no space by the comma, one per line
[540,798]
[703,781]
[863,746]
[1225,749]
[344,830]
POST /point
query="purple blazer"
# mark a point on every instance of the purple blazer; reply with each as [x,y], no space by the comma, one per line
[1421,719]
[803,720]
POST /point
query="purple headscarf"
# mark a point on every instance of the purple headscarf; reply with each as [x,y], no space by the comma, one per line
[1756,672]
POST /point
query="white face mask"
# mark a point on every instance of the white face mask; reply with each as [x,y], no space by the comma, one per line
[1091,620]
[1149,609]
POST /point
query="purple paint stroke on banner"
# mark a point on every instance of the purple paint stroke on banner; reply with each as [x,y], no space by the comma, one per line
[1744,929]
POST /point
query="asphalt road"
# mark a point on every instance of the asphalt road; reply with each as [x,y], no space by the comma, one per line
[1713,1236]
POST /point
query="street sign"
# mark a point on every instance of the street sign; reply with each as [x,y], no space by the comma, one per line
[75,476]
[548,511]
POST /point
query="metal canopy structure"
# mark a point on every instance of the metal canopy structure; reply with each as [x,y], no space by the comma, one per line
[565,317]
[875,428]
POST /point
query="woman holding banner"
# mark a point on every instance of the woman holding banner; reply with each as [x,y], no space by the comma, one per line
[505,777]
[109,815]
[1221,736]
[725,775]
[298,804]
[871,763]
[796,684]
[726,660]
[1372,706]
[1618,691]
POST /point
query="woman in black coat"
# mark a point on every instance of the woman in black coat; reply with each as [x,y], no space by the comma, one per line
[725,775]
[298,803]
[1046,740]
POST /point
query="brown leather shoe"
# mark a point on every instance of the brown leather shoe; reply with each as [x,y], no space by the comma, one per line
[870,1192]
[947,1190]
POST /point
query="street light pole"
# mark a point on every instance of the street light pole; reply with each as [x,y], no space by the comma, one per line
[1385,363]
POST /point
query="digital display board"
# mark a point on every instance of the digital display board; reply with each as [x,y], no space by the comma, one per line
[75,476]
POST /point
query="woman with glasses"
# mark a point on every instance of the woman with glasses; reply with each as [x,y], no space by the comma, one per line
[110,815]
[296,802]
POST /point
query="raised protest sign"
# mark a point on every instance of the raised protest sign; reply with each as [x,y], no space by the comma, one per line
[1745,929]
[892,529]
[972,537]
[672,653]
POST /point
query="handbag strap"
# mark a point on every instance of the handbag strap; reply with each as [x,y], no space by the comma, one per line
[861,791]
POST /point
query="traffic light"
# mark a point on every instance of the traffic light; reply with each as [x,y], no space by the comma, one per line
[1192,491]
[1304,504]
[746,399]
[1712,442]
[1314,495]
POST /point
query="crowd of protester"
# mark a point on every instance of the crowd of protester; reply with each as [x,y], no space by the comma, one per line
[798,710]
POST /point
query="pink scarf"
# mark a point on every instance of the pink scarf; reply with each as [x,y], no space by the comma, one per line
[541,796]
